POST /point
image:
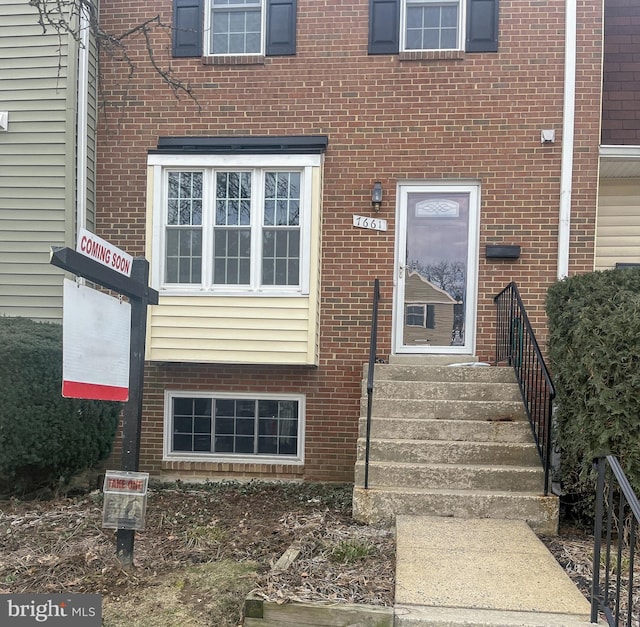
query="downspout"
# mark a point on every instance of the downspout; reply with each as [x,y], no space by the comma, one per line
[82,122]
[568,122]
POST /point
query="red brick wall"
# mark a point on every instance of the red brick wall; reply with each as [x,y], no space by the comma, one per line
[476,118]
[621,79]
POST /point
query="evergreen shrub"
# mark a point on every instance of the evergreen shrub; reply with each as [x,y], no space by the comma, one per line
[44,438]
[594,354]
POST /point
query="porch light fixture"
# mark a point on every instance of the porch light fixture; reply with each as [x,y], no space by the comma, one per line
[376,195]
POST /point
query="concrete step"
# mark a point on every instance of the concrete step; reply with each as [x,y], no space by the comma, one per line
[401,372]
[381,505]
[447,409]
[452,477]
[451,452]
[445,390]
[470,430]
[431,359]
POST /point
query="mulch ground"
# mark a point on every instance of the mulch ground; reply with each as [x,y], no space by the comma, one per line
[60,546]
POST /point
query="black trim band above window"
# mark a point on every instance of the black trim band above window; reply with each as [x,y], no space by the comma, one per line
[276,144]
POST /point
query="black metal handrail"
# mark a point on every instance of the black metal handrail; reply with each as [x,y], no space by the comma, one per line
[516,343]
[373,343]
[622,514]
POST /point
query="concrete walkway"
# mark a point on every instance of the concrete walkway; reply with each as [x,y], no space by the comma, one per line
[453,571]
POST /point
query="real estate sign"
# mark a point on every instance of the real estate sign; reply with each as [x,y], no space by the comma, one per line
[96,331]
[103,252]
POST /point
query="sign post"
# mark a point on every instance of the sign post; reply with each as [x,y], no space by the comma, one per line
[96,263]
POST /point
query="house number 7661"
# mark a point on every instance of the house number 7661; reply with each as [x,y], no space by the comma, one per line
[364,222]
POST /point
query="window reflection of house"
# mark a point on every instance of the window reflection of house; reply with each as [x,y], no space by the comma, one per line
[429,313]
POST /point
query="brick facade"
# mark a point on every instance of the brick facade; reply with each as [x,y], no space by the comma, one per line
[621,78]
[452,116]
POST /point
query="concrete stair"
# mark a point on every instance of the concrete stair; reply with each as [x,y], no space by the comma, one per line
[449,440]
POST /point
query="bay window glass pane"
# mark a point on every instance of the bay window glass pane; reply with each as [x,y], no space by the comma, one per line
[282,199]
[183,255]
[233,199]
[232,257]
[281,257]
[183,262]
[184,198]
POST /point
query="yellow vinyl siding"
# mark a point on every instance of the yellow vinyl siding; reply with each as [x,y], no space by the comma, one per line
[278,330]
[232,330]
[618,224]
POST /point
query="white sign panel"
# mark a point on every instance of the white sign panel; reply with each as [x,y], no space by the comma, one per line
[364,222]
[100,250]
[96,331]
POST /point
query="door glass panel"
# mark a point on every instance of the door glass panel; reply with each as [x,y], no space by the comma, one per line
[436,273]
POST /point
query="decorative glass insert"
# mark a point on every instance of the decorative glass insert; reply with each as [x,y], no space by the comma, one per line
[235,426]
[236,26]
[431,25]
[184,228]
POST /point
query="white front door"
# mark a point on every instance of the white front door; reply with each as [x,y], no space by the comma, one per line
[436,268]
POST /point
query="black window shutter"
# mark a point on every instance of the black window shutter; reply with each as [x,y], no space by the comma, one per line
[281,27]
[482,26]
[384,26]
[188,16]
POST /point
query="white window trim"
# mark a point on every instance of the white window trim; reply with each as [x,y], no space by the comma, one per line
[462,20]
[162,163]
[293,460]
[208,26]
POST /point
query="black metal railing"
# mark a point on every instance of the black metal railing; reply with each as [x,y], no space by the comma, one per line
[616,525]
[373,344]
[517,345]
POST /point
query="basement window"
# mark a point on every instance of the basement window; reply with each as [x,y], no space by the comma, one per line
[220,427]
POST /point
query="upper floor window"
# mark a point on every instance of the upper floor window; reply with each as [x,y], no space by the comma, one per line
[234,27]
[413,25]
[431,25]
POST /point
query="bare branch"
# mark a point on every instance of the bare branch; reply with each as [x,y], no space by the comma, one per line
[72,17]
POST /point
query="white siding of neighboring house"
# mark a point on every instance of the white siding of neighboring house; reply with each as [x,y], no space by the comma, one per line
[618,223]
[37,162]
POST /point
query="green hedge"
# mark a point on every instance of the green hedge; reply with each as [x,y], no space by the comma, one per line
[43,437]
[594,354]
